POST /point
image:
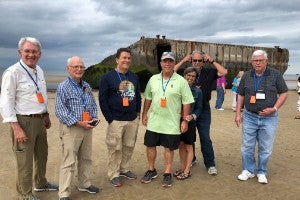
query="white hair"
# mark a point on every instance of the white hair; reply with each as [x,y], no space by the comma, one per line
[260,53]
[31,40]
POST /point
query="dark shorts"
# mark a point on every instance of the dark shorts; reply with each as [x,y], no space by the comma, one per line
[189,137]
[153,139]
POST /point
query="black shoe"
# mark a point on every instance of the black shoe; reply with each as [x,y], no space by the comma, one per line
[116,182]
[92,189]
[65,198]
[47,187]
[130,175]
[149,175]
[167,181]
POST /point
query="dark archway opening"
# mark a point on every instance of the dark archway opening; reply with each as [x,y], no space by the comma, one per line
[160,48]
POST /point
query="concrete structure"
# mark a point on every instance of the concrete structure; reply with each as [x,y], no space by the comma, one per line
[147,52]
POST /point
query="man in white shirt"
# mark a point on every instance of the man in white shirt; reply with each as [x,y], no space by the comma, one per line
[23,104]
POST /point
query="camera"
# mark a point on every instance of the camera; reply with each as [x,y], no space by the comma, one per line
[94,123]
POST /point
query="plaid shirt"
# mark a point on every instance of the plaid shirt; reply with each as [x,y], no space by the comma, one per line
[72,100]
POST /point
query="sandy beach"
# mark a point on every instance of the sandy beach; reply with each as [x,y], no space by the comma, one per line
[284,173]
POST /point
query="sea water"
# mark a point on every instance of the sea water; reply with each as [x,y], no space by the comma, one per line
[56,77]
[291,80]
[53,78]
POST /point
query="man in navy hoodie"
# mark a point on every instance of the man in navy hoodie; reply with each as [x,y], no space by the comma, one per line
[120,103]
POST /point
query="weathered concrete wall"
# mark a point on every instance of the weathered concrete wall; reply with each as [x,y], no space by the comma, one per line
[147,52]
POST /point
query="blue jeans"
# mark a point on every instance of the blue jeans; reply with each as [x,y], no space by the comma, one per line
[261,130]
[203,126]
[220,97]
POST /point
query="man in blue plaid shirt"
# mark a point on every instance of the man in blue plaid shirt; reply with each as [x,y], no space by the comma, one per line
[76,110]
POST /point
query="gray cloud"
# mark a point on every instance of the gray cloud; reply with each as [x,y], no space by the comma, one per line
[95,29]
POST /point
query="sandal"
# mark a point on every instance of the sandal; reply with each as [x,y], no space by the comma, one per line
[183,176]
[178,172]
[297,117]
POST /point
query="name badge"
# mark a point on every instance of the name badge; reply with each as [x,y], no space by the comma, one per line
[252,99]
[40,97]
[163,102]
[260,95]
[125,101]
[86,116]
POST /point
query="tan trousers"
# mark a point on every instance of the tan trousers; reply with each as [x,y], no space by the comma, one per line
[35,149]
[76,145]
[120,140]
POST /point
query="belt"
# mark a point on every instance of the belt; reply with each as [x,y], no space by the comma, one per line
[37,115]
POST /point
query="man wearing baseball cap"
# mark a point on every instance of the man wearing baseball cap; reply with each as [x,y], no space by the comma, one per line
[167,94]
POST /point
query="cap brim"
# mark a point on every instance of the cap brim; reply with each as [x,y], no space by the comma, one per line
[168,57]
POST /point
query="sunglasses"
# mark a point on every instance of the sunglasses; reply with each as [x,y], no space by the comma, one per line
[168,53]
[198,60]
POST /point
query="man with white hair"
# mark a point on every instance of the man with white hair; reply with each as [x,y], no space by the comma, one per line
[23,104]
[262,91]
[76,110]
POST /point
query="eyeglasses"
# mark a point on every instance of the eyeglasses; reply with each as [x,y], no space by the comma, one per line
[258,61]
[78,67]
[200,60]
[30,51]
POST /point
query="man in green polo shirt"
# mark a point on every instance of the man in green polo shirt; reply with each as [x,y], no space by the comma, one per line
[169,96]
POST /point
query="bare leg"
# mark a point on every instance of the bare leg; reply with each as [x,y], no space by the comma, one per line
[182,155]
[188,158]
[168,160]
[151,155]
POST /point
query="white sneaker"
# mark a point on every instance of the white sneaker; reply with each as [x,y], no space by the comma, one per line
[220,109]
[245,175]
[262,178]
[212,170]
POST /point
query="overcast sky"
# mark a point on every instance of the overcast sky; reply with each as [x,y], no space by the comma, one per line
[96,29]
